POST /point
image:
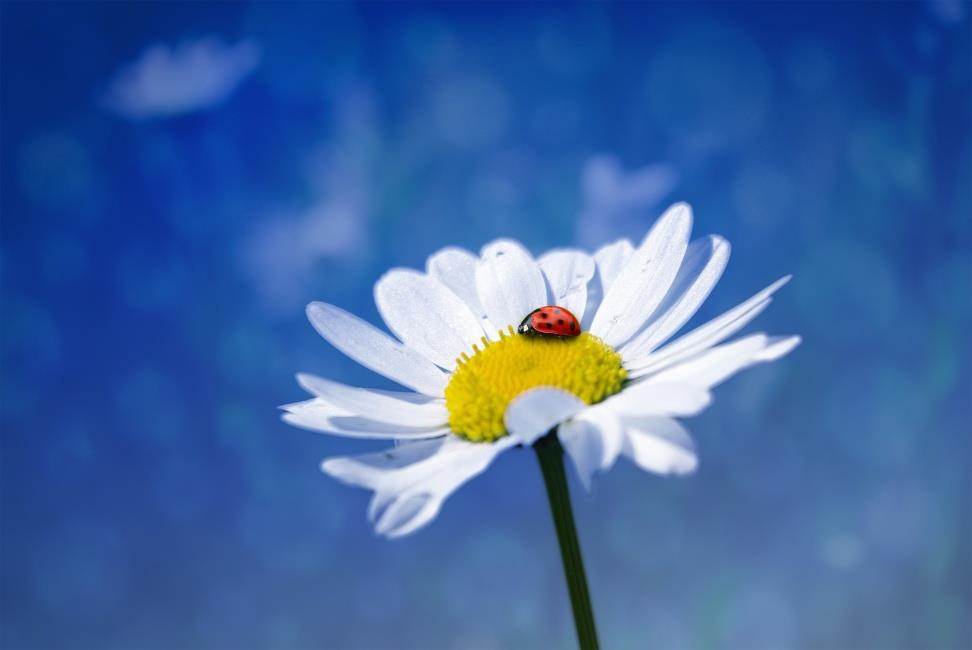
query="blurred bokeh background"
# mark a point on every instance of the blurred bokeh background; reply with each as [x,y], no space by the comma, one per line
[180,179]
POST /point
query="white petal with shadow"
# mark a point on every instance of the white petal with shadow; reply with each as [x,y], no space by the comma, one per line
[411,481]
[384,406]
[611,259]
[705,336]
[509,283]
[427,316]
[456,269]
[659,399]
[659,445]
[375,350]
[704,262]
[593,439]
[717,364]
[568,273]
[608,262]
[320,415]
[645,279]
[538,410]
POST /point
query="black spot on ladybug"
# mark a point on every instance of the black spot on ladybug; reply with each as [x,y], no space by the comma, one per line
[543,316]
[560,321]
[573,326]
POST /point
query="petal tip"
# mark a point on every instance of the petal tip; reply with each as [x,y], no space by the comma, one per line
[319,312]
[690,467]
[779,347]
[336,467]
[720,244]
[680,211]
[588,483]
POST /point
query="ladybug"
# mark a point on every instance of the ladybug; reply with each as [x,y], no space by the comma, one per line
[551,320]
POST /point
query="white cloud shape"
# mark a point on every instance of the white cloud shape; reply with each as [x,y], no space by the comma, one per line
[166,81]
[618,203]
[280,254]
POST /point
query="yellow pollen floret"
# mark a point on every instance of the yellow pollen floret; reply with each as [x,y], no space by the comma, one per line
[488,380]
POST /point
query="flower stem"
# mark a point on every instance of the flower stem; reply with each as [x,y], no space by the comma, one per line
[551,457]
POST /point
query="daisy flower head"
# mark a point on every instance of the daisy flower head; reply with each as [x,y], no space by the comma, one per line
[486,369]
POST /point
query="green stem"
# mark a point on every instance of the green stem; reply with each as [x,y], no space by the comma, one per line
[551,457]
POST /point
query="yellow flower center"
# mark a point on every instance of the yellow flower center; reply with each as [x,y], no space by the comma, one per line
[486,382]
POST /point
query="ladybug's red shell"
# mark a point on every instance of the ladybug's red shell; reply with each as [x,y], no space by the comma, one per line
[551,320]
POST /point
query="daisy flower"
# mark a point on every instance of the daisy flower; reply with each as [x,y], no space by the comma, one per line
[477,388]
[568,352]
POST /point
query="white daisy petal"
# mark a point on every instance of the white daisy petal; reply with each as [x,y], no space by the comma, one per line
[707,335]
[426,316]
[645,279]
[717,364]
[778,347]
[659,445]
[408,513]
[593,439]
[509,283]
[712,366]
[315,405]
[535,412]
[456,269]
[383,406]
[611,259]
[391,469]
[581,439]
[568,273]
[411,481]
[374,349]
[659,399]
[320,415]
[704,263]
[608,262]
[414,398]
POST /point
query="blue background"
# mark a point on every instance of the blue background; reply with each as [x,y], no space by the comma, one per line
[152,320]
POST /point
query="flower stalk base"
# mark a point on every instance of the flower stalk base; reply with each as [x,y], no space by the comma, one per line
[551,457]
